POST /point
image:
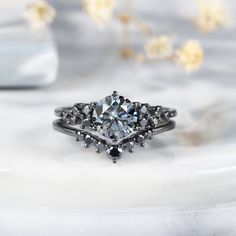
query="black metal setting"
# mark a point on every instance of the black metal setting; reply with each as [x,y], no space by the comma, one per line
[78,121]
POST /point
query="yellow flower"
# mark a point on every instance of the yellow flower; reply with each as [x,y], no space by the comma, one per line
[159,47]
[212,15]
[39,14]
[127,52]
[190,56]
[100,11]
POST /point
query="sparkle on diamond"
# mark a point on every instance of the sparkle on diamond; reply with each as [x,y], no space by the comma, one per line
[115,117]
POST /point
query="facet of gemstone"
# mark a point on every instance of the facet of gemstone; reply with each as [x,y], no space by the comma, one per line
[115,117]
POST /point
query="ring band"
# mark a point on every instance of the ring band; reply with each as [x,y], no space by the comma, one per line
[114,123]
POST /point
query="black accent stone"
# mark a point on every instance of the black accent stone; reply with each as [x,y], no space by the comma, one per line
[140,140]
[100,146]
[129,146]
[88,141]
[80,136]
[114,152]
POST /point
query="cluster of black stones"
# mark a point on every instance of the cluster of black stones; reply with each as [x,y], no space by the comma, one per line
[114,152]
[152,116]
[79,114]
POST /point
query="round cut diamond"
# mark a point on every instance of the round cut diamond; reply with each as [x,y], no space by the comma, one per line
[115,117]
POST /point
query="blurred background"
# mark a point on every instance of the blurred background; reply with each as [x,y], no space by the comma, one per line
[176,53]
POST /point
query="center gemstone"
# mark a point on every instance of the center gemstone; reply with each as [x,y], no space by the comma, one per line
[115,117]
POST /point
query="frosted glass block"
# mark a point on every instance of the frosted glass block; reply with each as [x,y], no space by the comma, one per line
[28,58]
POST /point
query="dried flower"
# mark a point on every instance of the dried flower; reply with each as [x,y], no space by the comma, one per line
[212,15]
[143,27]
[159,47]
[39,14]
[125,18]
[127,52]
[190,55]
[100,11]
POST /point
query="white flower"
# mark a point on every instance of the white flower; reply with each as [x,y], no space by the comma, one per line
[39,14]
[100,11]
[159,47]
[212,15]
[190,56]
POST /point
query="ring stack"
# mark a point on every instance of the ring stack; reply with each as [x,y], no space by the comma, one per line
[114,124]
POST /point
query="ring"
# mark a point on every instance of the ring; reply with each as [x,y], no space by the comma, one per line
[114,123]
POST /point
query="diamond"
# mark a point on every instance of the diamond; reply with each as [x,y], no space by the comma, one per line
[129,146]
[155,121]
[115,117]
[86,109]
[100,146]
[86,123]
[140,140]
[69,118]
[88,141]
[143,123]
[80,136]
[143,109]
[149,134]
[76,111]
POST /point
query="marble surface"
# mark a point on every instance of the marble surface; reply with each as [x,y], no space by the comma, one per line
[182,183]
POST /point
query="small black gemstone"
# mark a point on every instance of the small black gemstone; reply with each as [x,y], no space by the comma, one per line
[140,139]
[88,141]
[114,152]
[86,109]
[143,109]
[100,146]
[76,111]
[80,136]
[129,146]
[86,123]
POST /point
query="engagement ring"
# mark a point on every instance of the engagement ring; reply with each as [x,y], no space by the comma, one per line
[114,123]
